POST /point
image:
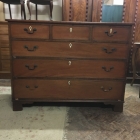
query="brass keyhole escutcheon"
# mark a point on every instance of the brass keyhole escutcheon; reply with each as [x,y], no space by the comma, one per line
[110,30]
[110,33]
[69,83]
[70,45]
[30,28]
[69,63]
[70,30]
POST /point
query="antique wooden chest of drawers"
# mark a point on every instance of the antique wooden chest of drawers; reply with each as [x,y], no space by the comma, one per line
[69,61]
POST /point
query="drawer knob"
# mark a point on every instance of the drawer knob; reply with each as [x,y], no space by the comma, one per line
[69,63]
[107,70]
[30,30]
[70,45]
[106,90]
[70,30]
[110,33]
[28,49]
[109,51]
[31,68]
[69,83]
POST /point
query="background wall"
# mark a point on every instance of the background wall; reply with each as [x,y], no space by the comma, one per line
[118,2]
[43,11]
[113,2]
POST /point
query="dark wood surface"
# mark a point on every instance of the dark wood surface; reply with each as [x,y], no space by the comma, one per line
[111,33]
[129,10]
[68,68]
[77,10]
[69,89]
[65,75]
[82,10]
[70,32]
[137,30]
[41,32]
[4,51]
[97,10]
[131,14]
[69,49]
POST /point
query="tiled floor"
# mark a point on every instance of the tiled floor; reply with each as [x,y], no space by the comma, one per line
[96,123]
[37,122]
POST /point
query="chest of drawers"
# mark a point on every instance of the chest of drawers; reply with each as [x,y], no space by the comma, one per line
[69,62]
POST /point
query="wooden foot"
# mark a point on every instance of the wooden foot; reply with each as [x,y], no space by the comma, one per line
[118,107]
[17,106]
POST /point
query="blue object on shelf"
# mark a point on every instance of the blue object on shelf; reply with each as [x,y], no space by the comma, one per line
[112,13]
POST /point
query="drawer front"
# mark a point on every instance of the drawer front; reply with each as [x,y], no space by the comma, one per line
[70,32]
[111,33]
[69,68]
[5,54]
[69,49]
[68,89]
[4,41]
[29,31]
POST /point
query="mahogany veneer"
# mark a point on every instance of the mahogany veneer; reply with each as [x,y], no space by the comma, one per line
[69,61]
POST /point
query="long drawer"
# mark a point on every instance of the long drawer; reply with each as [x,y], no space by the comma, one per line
[29,31]
[111,33]
[69,49]
[68,89]
[68,68]
[70,32]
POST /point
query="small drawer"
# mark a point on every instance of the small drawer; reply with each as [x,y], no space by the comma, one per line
[5,54]
[70,32]
[69,49]
[68,89]
[29,31]
[69,68]
[4,41]
[111,33]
